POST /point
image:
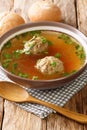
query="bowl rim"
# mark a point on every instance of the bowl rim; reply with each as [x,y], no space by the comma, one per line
[50,24]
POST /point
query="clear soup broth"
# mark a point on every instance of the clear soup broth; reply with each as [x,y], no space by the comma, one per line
[60,45]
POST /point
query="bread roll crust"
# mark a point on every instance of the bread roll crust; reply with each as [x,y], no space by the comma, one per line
[9,20]
[44,11]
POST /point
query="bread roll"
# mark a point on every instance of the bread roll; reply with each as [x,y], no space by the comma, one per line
[44,11]
[9,20]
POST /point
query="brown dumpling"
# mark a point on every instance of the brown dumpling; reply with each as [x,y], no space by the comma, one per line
[50,65]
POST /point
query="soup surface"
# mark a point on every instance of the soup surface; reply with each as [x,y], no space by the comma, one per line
[17,60]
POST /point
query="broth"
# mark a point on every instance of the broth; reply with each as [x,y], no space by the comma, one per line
[62,46]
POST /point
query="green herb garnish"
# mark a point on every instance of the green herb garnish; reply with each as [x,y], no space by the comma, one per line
[81,56]
[5,63]
[79,48]
[7,45]
[80,52]
[57,55]
[34,77]
[66,38]
[74,71]
[7,60]
[43,40]
[31,45]
[23,75]
[68,73]
[7,56]
[17,37]
[14,67]
[65,74]
[53,64]
[49,43]
[16,53]
[25,34]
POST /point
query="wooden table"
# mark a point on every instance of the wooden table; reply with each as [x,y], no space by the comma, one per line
[74,12]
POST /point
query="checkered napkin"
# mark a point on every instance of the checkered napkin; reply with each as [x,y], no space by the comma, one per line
[58,96]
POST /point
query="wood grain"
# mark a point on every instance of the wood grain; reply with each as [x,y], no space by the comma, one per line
[18,119]
[6,5]
[82,15]
[81,118]
[68,16]
[1,111]
[68,11]
[75,104]
[29,121]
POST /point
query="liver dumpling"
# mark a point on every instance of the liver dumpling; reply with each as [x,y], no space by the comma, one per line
[36,45]
[50,65]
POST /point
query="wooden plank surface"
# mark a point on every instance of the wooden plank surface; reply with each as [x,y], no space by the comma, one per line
[68,16]
[18,119]
[1,112]
[15,118]
[75,104]
[82,15]
[68,11]
[6,5]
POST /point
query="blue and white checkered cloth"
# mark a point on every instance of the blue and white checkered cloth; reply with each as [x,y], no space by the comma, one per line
[58,96]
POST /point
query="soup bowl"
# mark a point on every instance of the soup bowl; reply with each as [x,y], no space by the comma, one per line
[45,26]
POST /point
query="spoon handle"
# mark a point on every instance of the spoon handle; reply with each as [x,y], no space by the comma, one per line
[81,118]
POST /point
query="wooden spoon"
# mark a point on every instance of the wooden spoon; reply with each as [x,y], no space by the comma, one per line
[14,92]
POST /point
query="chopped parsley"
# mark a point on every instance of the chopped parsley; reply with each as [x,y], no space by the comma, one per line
[5,65]
[25,34]
[17,37]
[65,74]
[53,64]
[66,38]
[14,65]
[16,53]
[7,45]
[7,56]
[43,40]
[57,55]
[49,43]
[35,33]
[23,75]
[79,48]
[6,62]
[34,77]
[68,73]
[14,68]
[80,52]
